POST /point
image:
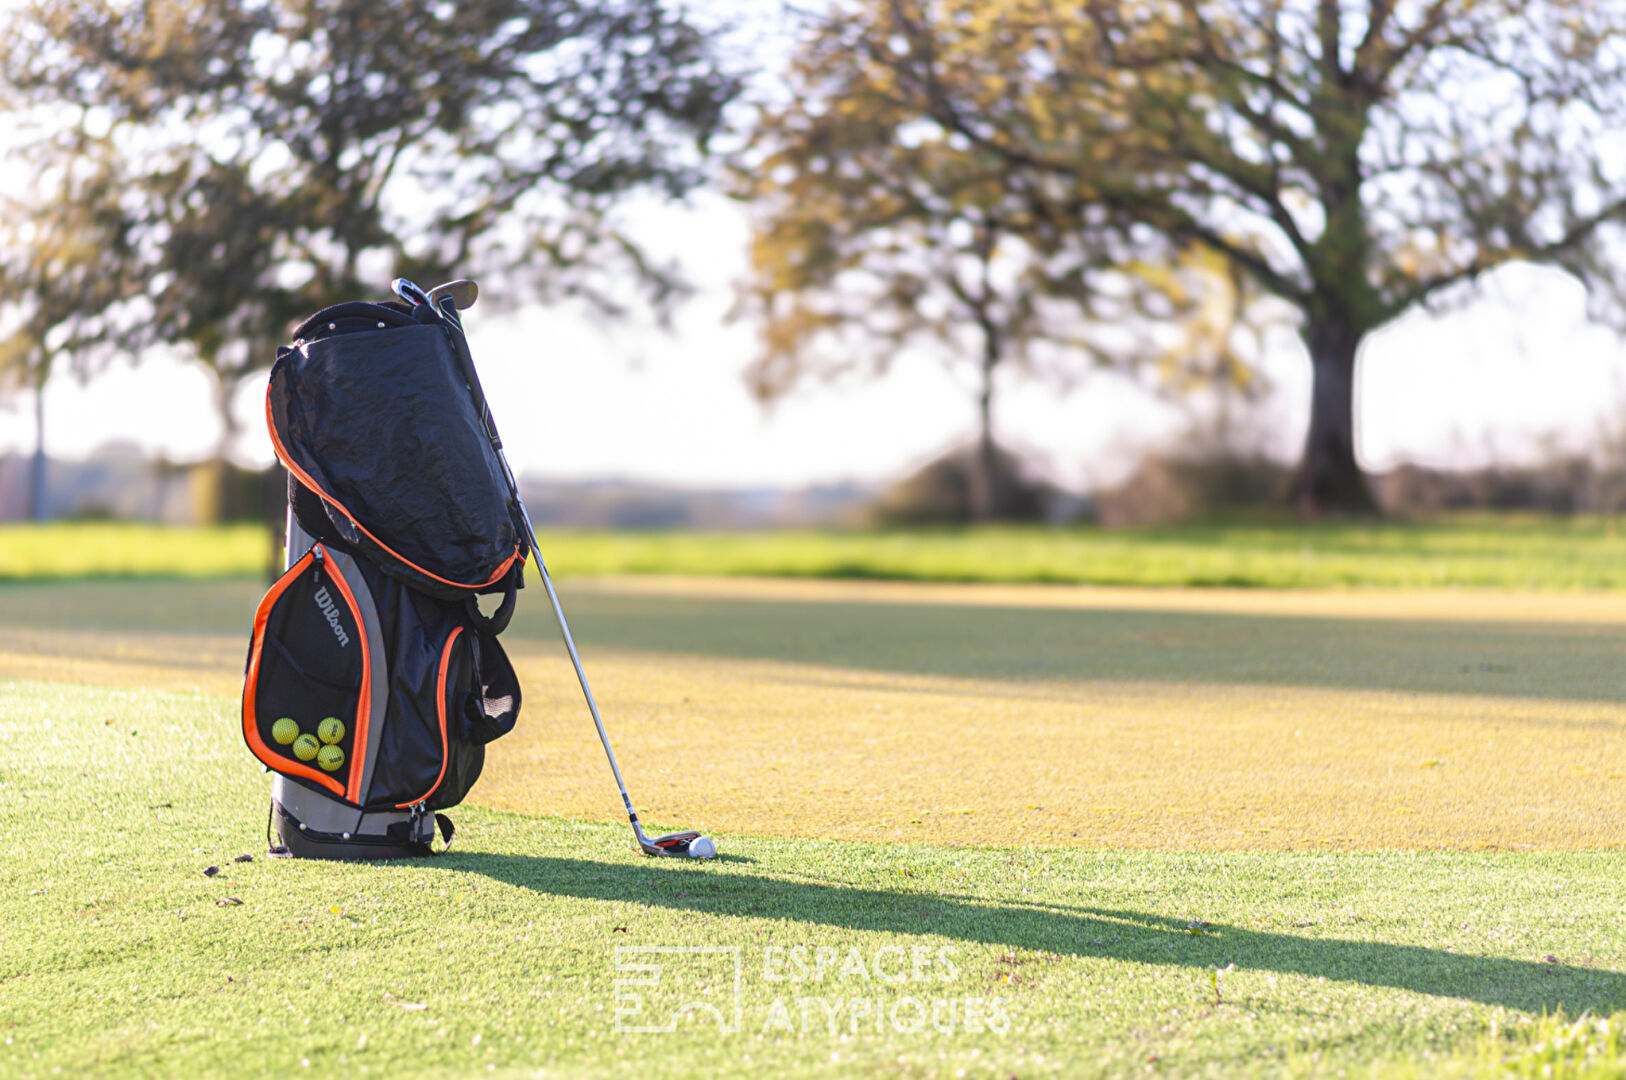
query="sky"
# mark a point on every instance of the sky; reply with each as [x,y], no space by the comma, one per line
[1497,381]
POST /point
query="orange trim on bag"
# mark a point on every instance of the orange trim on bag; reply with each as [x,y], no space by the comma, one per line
[440,709]
[358,746]
[251,728]
[305,478]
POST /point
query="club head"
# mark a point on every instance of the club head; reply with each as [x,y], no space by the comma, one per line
[681,844]
[463,294]
[409,292]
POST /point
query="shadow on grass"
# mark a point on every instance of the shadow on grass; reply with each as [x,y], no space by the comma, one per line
[1131,936]
[1026,645]
[1013,645]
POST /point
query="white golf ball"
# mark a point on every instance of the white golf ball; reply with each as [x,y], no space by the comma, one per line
[701,847]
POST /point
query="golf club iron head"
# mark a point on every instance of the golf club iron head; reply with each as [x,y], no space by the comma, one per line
[409,292]
[462,291]
[679,844]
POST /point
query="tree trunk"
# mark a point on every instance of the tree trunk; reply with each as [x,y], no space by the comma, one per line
[274,511]
[983,475]
[36,471]
[217,503]
[1329,479]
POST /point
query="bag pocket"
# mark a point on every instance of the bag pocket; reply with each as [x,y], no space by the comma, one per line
[309,663]
[481,697]
[430,668]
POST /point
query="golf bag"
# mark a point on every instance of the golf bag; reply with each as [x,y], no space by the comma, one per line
[374,680]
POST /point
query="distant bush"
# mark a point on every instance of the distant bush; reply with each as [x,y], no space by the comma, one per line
[1166,489]
[940,493]
[1570,484]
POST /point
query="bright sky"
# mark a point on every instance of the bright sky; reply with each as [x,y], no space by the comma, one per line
[1491,382]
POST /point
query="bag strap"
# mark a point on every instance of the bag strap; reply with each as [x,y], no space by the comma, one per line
[497,621]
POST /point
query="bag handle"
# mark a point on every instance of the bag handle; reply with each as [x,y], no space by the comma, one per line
[390,315]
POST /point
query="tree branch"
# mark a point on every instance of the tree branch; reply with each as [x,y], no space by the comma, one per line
[1484,262]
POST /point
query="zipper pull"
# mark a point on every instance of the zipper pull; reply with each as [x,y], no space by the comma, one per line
[316,560]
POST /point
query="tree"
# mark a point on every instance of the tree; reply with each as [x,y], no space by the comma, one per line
[268,157]
[63,257]
[1354,159]
[873,231]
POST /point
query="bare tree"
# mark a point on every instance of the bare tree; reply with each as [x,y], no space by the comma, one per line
[1355,159]
[874,230]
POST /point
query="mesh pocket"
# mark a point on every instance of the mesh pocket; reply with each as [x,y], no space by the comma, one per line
[306,694]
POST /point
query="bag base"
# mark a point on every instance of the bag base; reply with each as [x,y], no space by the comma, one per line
[312,826]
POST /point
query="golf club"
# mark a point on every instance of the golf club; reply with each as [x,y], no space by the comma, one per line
[463,293]
[445,306]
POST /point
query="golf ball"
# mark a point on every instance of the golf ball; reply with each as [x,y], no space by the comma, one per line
[330,730]
[330,758]
[285,731]
[702,847]
[306,747]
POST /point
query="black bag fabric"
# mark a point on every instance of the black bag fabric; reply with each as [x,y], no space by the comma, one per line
[418,686]
[369,412]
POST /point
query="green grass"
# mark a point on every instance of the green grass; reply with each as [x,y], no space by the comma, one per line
[130,549]
[1546,1048]
[1496,552]
[1510,553]
[119,957]
[1319,721]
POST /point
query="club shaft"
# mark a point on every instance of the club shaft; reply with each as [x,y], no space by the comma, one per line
[575,657]
[472,377]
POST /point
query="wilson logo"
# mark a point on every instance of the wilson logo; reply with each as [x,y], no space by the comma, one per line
[331,611]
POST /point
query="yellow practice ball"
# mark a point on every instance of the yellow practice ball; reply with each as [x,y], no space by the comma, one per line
[330,730]
[306,747]
[285,731]
[330,758]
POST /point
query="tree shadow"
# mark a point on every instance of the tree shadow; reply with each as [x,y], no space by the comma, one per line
[1012,644]
[1026,644]
[1136,937]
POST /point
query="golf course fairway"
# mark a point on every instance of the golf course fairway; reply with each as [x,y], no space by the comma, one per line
[1070,831]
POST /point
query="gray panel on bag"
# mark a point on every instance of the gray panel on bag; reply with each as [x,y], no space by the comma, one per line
[328,815]
[318,811]
[380,696]
[299,541]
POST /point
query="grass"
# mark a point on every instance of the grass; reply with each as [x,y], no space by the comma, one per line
[1545,1048]
[108,549]
[1511,552]
[1181,832]
[118,956]
[1516,553]
[1008,716]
